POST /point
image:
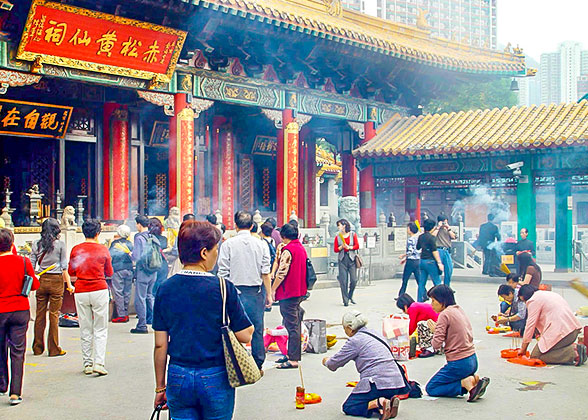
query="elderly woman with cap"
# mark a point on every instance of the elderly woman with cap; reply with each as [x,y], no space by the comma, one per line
[122,280]
[381,381]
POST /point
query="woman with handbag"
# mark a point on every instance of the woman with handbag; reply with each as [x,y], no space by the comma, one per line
[188,317]
[381,380]
[48,252]
[346,245]
[14,314]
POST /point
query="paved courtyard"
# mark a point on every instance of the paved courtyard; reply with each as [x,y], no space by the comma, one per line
[57,389]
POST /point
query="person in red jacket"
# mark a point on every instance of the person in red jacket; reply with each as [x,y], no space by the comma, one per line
[346,245]
[14,315]
[289,287]
[90,262]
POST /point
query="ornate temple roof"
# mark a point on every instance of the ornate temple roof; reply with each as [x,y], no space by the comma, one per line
[478,131]
[326,164]
[327,19]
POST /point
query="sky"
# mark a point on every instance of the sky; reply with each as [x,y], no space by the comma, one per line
[539,26]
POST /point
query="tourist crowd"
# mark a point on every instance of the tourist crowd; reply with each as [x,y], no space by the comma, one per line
[196,285]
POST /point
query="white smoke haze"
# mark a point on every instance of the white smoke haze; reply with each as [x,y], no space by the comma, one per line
[483,195]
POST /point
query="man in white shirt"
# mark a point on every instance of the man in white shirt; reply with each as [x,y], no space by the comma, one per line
[245,261]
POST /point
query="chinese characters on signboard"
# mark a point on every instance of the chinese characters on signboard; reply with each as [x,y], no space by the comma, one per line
[29,119]
[73,37]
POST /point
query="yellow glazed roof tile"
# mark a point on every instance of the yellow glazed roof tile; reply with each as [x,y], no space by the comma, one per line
[387,37]
[515,128]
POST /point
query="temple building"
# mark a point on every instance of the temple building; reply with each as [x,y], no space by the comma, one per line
[525,165]
[118,108]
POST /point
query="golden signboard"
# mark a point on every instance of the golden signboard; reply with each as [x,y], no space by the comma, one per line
[70,36]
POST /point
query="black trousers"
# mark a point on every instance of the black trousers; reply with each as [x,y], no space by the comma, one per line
[292,319]
[357,404]
[347,277]
[13,336]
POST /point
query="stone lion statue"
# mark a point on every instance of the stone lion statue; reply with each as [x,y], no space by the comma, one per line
[349,209]
[173,221]
[69,217]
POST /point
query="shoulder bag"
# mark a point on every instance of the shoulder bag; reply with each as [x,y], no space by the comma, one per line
[413,386]
[358,259]
[241,367]
[27,283]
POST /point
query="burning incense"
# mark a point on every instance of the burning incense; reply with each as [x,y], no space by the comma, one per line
[51,267]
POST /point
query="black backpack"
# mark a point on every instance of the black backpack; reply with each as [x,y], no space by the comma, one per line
[310,275]
[272,250]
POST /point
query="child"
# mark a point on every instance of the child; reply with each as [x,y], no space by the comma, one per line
[516,315]
[453,328]
[411,258]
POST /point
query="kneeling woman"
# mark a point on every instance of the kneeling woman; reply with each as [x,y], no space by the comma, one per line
[453,328]
[381,380]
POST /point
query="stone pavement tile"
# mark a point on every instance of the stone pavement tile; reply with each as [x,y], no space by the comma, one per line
[57,389]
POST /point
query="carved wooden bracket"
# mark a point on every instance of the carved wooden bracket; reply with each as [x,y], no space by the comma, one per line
[9,78]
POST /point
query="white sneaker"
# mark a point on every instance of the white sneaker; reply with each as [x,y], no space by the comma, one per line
[15,401]
[88,369]
[100,370]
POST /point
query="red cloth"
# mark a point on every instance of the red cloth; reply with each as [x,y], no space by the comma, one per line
[11,282]
[418,312]
[294,285]
[91,264]
[347,241]
[13,249]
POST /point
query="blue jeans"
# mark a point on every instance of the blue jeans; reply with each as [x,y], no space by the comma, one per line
[428,268]
[410,267]
[144,296]
[357,403]
[447,382]
[253,300]
[199,394]
[161,277]
[445,256]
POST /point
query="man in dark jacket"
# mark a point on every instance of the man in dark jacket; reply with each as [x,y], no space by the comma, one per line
[122,279]
[488,235]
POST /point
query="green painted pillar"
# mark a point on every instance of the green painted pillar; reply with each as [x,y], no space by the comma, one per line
[563,224]
[526,203]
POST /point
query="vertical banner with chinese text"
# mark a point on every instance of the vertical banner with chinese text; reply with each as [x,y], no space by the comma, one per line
[227,180]
[290,170]
[185,161]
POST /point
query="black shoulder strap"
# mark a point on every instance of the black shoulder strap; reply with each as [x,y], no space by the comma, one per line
[402,372]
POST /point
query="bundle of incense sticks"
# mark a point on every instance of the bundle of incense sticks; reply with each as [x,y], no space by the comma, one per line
[51,267]
[577,284]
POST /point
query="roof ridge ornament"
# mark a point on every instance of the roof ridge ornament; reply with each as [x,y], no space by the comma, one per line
[334,7]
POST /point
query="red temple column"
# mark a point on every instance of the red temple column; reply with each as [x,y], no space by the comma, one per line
[287,171]
[116,161]
[367,185]
[412,198]
[181,155]
[349,175]
[227,179]
[310,186]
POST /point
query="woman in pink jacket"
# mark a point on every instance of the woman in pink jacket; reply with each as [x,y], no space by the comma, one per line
[551,315]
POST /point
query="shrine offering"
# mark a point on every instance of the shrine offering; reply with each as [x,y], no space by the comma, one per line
[300,394]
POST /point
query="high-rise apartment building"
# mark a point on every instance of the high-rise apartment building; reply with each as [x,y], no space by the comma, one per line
[468,21]
[561,73]
[357,5]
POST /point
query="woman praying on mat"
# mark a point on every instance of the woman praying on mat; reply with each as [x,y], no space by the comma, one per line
[530,272]
[381,380]
[453,328]
[551,315]
[419,313]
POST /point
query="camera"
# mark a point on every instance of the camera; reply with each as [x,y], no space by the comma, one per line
[515,166]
